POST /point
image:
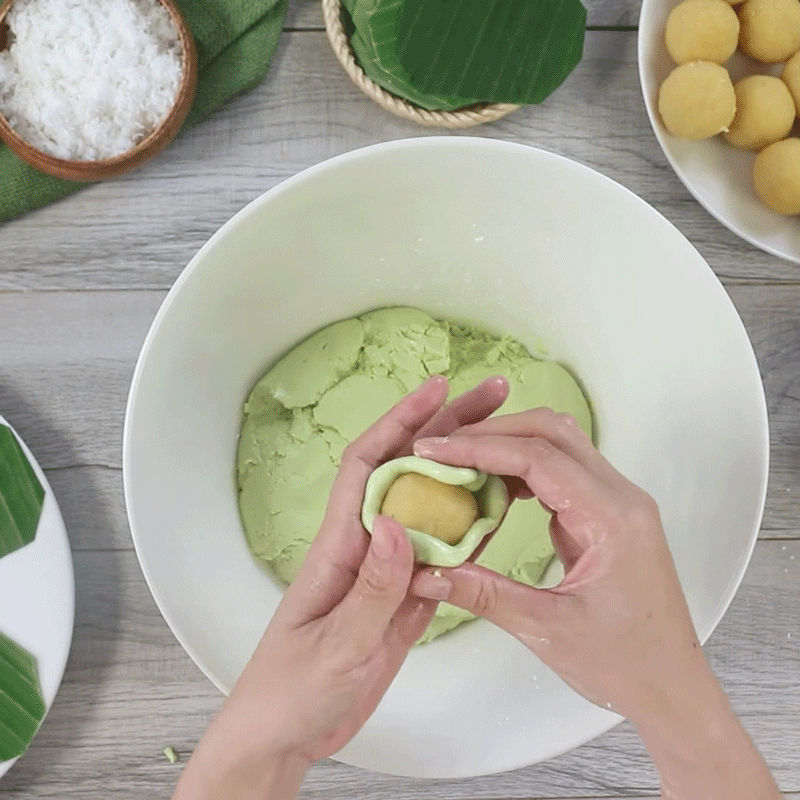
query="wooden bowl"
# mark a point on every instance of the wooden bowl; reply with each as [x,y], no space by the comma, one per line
[460,118]
[152,144]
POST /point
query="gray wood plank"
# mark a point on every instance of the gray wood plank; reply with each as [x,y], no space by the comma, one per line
[776,342]
[93,506]
[64,386]
[130,691]
[304,15]
[139,231]
[66,368]
[307,14]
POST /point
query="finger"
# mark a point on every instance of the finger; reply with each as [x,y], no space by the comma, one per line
[323,580]
[332,563]
[568,549]
[560,429]
[472,406]
[393,431]
[575,494]
[410,622]
[362,618]
[519,609]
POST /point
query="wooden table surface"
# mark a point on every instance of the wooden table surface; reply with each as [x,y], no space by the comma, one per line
[80,282]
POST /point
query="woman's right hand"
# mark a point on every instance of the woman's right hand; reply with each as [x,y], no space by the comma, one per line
[617,628]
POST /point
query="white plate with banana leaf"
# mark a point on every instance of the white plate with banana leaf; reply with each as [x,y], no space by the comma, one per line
[37,604]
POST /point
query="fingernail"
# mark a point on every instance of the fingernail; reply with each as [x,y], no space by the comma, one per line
[434,379]
[422,446]
[384,543]
[432,586]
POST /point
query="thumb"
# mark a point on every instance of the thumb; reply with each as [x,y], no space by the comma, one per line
[515,607]
[380,586]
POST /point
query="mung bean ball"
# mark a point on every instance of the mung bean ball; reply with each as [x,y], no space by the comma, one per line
[776,176]
[430,506]
[697,100]
[770,29]
[702,30]
[791,77]
[765,112]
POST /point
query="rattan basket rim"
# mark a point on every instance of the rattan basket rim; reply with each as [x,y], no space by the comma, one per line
[460,118]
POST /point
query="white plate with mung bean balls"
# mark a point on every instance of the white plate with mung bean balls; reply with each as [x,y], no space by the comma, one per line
[726,119]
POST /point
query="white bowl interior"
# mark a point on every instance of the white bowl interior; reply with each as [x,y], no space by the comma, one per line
[505,236]
[718,176]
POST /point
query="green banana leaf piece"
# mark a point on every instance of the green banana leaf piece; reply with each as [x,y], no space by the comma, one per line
[504,51]
[372,26]
[21,495]
[22,707]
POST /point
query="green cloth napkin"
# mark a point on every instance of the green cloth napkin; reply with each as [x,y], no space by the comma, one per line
[235,41]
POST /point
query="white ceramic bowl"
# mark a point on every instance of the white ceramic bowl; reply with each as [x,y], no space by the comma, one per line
[508,237]
[718,175]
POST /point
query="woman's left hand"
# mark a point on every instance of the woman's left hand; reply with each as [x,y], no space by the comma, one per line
[343,628]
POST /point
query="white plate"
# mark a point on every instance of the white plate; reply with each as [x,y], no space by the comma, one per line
[529,244]
[37,594]
[718,175]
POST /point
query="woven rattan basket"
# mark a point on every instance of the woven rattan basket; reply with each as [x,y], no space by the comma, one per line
[460,118]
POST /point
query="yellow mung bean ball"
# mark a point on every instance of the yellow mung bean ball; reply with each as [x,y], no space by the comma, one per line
[697,100]
[776,176]
[791,77]
[765,112]
[770,29]
[702,30]
[430,506]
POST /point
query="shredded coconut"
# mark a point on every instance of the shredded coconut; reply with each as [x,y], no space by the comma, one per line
[88,80]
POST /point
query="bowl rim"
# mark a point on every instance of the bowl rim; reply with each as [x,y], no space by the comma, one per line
[151,145]
[761,424]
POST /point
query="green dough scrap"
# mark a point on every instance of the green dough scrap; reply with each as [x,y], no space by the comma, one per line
[303,412]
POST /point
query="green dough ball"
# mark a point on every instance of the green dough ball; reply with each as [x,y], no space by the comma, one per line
[318,397]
